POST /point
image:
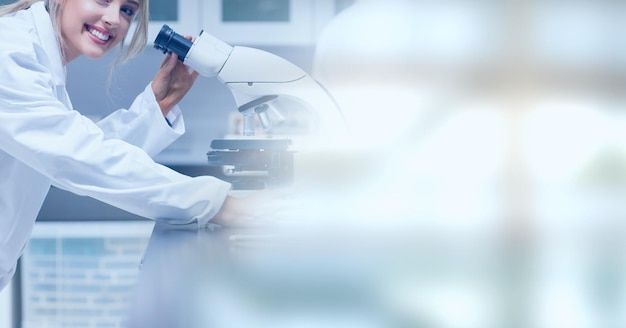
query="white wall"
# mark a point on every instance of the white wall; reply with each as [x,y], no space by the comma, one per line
[6,308]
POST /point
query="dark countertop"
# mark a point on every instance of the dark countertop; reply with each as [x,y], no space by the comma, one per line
[253,278]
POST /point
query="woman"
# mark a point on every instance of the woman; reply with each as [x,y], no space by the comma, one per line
[44,142]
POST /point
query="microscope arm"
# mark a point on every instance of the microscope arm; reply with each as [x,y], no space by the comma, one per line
[251,73]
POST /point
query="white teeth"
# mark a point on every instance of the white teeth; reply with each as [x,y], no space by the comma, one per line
[99,35]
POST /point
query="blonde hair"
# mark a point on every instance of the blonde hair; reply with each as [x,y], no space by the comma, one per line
[55,7]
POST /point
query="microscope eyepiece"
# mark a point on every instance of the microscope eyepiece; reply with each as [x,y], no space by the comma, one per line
[169,41]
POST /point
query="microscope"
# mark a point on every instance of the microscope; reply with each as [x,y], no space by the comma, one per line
[261,83]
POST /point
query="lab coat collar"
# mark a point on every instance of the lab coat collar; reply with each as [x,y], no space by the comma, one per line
[48,38]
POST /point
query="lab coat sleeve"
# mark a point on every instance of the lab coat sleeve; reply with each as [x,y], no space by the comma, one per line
[143,124]
[73,152]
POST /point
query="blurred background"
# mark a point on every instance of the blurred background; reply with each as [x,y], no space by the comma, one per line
[489,149]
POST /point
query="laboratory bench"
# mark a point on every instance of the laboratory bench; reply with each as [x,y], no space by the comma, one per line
[90,264]
[328,273]
[320,264]
[398,259]
[317,275]
[252,278]
[147,274]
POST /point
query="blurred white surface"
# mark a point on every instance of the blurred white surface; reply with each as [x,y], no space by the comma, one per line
[498,133]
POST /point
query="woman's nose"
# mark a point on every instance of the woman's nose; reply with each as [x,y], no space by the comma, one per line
[112,15]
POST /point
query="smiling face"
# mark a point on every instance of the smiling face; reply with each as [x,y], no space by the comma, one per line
[93,27]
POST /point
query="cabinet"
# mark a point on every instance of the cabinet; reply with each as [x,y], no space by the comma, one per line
[262,22]
[245,22]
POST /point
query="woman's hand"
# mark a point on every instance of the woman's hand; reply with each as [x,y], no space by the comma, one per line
[172,82]
[255,210]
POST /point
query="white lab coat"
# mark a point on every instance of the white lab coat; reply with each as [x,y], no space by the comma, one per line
[44,142]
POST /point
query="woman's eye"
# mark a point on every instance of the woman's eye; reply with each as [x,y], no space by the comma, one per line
[128,11]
